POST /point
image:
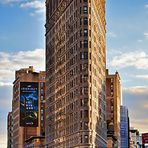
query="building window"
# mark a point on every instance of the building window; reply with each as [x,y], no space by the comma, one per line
[83,55]
[85,32]
[85,21]
[85,90]
[86,139]
[81,139]
[81,125]
[81,32]
[86,125]
[85,113]
[81,43]
[83,78]
[85,43]
[42,98]
[80,10]
[81,114]
[80,21]
[84,102]
[85,9]
[41,84]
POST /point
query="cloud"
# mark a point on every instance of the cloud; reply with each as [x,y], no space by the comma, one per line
[5,98]
[3,141]
[144,77]
[3,131]
[37,6]
[9,62]
[5,107]
[140,41]
[146,35]
[33,4]
[111,34]
[135,98]
[140,90]
[146,106]
[137,59]
[141,125]
[146,6]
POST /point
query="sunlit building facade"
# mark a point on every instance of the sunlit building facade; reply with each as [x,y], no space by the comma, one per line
[113,98]
[76,73]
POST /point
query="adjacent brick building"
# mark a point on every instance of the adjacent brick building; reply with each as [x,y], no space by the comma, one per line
[113,98]
[28,106]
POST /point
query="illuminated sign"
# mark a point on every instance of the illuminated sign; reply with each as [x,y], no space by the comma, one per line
[28,104]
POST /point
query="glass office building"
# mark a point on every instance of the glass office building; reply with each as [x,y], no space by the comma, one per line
[124,127]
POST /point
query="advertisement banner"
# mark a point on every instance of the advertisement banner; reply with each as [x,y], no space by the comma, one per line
[145,138]
[28,104]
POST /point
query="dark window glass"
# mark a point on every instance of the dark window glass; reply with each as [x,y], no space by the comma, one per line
[85,21]
[83,55]
[80,44]
[85,125]
[85,113]
[85,32]
[85,44]
[86,140]
[81,32]
[80,21]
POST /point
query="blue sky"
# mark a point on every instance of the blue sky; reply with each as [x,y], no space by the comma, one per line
[22,43]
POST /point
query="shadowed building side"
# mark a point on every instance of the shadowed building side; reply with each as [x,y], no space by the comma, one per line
[9,130]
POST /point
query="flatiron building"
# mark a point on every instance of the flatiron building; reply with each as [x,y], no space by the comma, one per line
[76,74]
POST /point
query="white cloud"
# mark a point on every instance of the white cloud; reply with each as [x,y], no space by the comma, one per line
[5,84]
[33,4]
[9,62]
[37,6]
[5,98]
[3,141]
[3,131]
[137,90]
[146,106]
[140,41]
[137,59]
[146,35]
[136,99]
[146,6]
[111,34]
[144,77]
[140,124]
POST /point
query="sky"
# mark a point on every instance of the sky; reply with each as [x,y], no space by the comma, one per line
[22,44]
